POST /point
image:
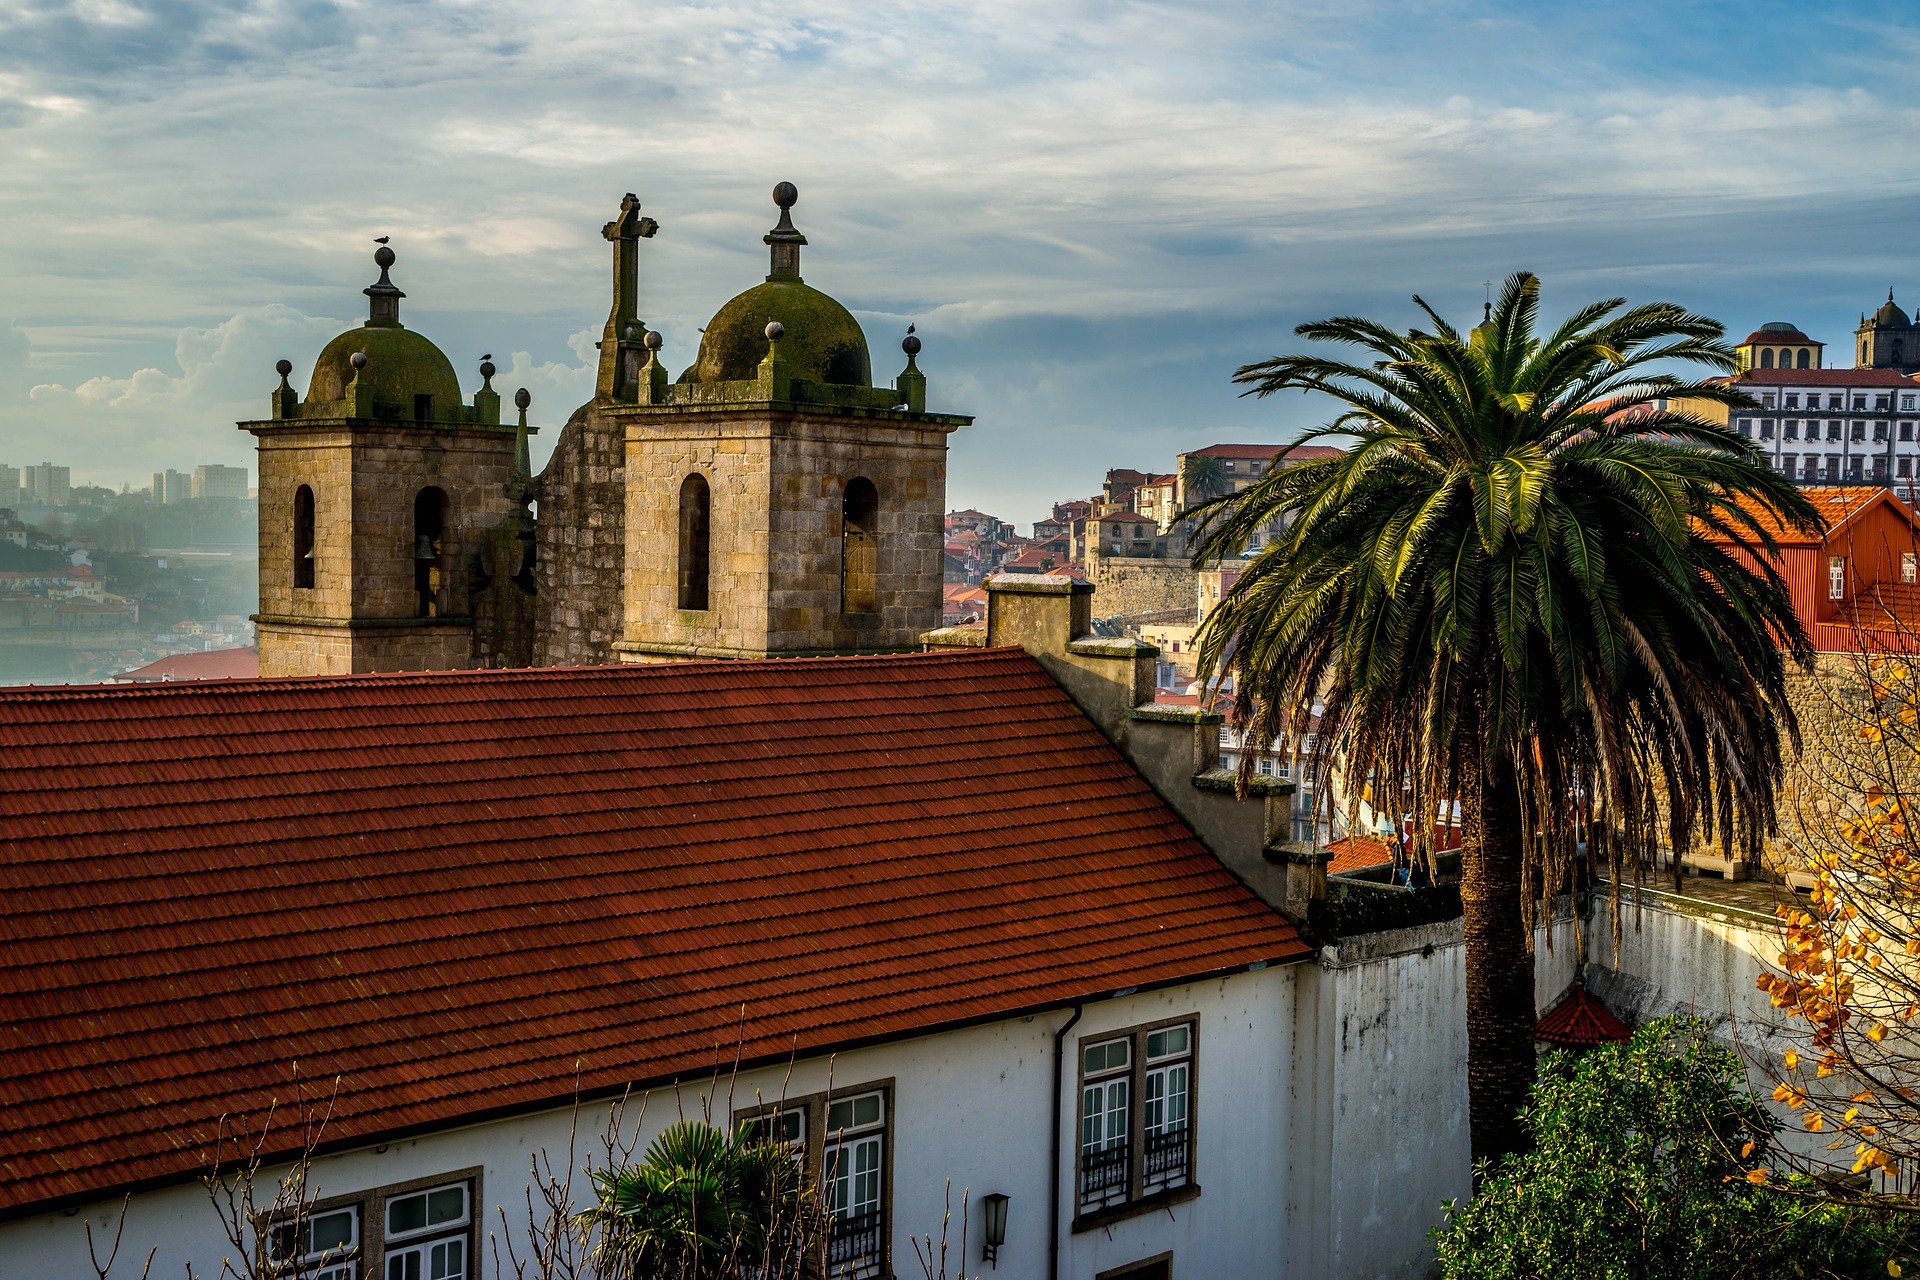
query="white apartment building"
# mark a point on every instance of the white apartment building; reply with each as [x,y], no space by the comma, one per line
[1836,426]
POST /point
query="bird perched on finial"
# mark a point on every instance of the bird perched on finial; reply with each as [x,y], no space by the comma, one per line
[487,356]
[909,328]
[381,239]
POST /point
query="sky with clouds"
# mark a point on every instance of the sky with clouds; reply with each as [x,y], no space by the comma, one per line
[1094,212]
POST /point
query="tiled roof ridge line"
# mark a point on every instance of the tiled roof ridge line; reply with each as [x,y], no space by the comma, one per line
[476,675]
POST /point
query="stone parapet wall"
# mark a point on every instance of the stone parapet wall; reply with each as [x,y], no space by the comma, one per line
[582,544]
[1132,586]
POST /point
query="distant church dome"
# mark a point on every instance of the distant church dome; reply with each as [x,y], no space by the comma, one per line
[401,364]
[1890,316]
[823,342]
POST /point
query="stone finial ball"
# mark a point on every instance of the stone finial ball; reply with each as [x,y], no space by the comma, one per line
[486,369]
[358,359]
[521,399]
[653,340]
[910,345]
[383,257]
[785,195]
[283,367]
[775,331]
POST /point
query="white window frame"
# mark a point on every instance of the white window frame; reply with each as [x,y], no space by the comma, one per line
[1836,577]
[372,1248]
[1908,567]
[335,1262]
[423,1250]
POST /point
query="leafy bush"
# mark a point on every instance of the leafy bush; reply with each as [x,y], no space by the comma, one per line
[1650,1163]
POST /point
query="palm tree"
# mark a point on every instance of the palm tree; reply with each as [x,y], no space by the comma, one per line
[1203,477]
[705,1204]
[1505,593]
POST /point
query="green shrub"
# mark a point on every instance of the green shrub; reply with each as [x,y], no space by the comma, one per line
[1640,1171]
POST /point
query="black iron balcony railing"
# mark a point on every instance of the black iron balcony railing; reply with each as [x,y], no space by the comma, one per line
[854,1247]
[1168,1159]
[1103,1178]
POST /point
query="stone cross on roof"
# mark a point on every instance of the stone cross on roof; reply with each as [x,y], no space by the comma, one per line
[624,329]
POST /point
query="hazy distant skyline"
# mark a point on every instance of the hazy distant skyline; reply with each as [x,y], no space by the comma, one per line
[1093,212]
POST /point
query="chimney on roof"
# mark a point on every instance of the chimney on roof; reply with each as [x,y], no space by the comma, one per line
[1176,749]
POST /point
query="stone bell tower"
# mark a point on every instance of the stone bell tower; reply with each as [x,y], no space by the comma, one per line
[376,495]
[777,503]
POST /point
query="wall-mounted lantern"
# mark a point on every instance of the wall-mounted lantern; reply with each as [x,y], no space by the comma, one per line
[993,1220]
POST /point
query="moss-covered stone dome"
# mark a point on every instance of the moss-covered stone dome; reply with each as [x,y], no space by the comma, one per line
[401,364]
[823,342]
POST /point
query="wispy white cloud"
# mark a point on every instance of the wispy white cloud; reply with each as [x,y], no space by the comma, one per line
[1094,211]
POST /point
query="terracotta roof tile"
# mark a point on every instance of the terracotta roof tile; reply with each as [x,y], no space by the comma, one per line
[454,890]
[1827,378]
[1352,853]
[213,664]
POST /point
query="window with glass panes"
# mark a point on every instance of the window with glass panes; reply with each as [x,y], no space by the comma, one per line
[843,1139]
[420,1230]
[1136,1119]
[851,1167]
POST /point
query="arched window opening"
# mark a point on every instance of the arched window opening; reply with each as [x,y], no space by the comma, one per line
[423,409]
[1805,356]
[429,531]
[696,541]
[859,548]
[1766,357]
[303,536]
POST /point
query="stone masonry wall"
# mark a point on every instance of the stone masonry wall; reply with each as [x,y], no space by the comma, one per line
[582,552]
[1131,586]
[365,479]
[777,479]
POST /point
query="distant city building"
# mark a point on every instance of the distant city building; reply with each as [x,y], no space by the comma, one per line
[1887,341]
[171,487]
[1835,426]
[213,481]
[47,484]
[10,493]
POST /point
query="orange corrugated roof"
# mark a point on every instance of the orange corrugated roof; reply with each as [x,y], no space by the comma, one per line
[1580,1022]
[452,891]
[1836,506]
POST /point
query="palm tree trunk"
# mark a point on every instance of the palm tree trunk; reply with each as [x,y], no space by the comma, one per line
[1500,1008]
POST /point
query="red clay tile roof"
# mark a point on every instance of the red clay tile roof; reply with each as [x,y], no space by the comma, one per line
[213,664]
[1828,378]
[1580,1022]
[449,889]
[1352,853]
[1264,452]
[1779,337]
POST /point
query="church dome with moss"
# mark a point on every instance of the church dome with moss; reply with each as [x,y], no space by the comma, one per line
[823,342]
[1890,316]
[401,365]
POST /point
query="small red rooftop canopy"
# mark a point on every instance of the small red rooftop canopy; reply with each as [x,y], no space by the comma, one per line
[1581,1022]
